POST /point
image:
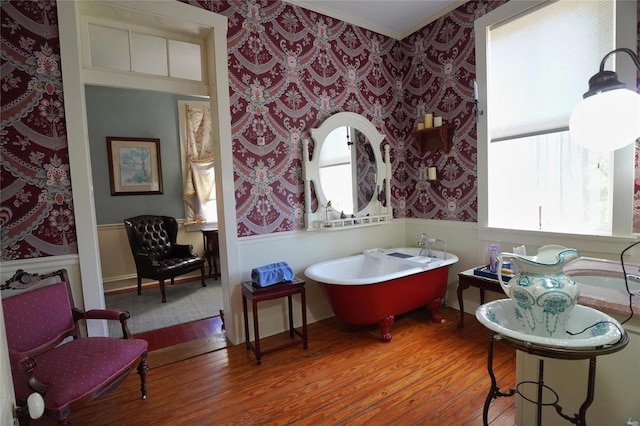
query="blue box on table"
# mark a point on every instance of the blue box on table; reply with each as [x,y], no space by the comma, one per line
[483,271]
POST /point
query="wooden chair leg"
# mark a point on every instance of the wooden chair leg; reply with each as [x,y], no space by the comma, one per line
[164,296]
[139,286]
[202,276]
[142,371]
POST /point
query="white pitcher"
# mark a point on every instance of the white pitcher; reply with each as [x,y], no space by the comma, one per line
[544,295]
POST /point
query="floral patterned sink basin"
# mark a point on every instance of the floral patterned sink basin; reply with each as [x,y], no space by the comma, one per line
[591,327]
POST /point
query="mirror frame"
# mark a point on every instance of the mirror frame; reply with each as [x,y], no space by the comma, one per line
[375,212]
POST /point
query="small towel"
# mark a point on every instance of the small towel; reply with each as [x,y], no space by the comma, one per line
[273,273]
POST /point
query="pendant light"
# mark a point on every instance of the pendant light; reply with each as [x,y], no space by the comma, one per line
[608,118]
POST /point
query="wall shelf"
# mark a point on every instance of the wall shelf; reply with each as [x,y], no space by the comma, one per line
[434,138]
[362,221]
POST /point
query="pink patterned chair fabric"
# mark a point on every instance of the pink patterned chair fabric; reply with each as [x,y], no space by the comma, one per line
[74,372]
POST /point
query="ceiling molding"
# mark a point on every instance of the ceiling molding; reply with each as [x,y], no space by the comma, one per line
[391,7]
[432,18]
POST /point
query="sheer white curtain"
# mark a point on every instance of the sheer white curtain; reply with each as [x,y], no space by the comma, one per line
[550,184]
[198,169]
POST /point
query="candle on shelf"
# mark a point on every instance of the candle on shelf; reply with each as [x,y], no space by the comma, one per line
[437,121]
[421,125]
[428,121]
[431,173]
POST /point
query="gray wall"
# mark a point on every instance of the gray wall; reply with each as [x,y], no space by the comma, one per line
[140,114]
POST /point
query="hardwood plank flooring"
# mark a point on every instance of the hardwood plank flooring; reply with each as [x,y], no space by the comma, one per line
[429,374]
[182,333]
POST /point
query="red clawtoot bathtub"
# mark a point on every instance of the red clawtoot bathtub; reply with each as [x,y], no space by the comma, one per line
[373,287]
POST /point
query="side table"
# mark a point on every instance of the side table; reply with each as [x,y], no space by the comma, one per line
[258,294]
[467,279]
[211,249]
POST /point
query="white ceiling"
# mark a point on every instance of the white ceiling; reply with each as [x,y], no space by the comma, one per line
[393,18]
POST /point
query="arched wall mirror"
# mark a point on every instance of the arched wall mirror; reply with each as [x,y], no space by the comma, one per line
[347,173]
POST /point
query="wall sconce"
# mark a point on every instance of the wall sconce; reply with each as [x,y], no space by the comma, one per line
[476,103]
[608,117]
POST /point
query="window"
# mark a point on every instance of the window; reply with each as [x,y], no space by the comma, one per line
[126,50]
[534,64]
[198,171]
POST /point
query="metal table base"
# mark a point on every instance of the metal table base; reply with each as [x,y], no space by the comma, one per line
[548,352]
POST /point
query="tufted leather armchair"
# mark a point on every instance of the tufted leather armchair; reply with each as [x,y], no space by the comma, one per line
[156,254]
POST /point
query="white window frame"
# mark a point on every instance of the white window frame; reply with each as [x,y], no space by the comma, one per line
[623,169]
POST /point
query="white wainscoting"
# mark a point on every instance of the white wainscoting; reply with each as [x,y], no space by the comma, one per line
[45,265]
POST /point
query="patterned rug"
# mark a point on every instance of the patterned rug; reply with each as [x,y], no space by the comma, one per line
[185,303]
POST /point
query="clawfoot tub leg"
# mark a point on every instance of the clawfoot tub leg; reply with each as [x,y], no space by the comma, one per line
[384,325]
[434,307]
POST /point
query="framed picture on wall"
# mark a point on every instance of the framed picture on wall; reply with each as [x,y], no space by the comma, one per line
[134,166]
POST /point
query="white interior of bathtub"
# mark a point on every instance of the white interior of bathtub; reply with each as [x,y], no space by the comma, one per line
[411,256]
[614,283]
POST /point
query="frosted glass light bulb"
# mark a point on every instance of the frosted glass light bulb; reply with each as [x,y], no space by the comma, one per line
[606,121]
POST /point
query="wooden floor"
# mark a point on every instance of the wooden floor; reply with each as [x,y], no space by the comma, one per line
[182,333]
[429,374]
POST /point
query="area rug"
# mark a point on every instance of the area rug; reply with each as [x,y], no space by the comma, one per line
[185,303]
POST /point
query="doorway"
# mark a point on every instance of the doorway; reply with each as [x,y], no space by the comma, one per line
[76,75]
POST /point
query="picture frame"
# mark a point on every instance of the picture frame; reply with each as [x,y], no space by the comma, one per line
[135,167]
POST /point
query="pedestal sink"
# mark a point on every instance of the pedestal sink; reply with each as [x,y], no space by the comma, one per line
[591,328]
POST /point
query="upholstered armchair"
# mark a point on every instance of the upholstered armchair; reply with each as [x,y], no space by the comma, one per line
[156,254]
[48,355]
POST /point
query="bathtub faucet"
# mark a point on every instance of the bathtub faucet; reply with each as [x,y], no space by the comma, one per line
[444,247]
[425,245]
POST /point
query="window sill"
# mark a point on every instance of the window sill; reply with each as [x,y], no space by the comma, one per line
[605,244]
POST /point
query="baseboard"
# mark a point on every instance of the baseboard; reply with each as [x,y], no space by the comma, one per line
[131,284]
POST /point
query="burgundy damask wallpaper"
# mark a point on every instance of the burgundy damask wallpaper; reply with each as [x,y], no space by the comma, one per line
[289,69]
[36,211]
[439,73]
